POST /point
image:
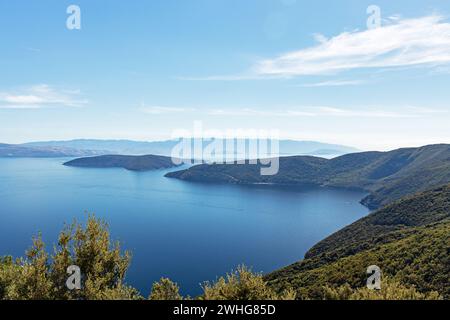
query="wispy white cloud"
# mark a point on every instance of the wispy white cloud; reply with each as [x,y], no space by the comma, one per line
[364,113]
[35,50]
[335,83]
[404,42]
[246,76]
[300,111]
[400,43]
[327,111]
[258,113]
[156,110]
[40,96]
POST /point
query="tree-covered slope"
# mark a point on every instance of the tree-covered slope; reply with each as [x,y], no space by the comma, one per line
[413,211]
[409,240]
[420,259]
[387,176]
[293,170]
[135,163]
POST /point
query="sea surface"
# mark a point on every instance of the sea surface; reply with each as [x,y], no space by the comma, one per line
[189,232]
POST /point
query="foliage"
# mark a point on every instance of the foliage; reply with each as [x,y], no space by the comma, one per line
[242,284]
[38,277]
[420,259]
[391,223]
[165,289]
[408,240]
[390,290]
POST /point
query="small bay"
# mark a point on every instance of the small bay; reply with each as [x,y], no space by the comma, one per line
[189,232]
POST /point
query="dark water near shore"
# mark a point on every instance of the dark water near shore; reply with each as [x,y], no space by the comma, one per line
[188,232]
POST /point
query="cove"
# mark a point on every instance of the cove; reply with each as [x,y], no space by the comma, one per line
[188,232]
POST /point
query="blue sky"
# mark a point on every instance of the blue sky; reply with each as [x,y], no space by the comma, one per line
[142,69]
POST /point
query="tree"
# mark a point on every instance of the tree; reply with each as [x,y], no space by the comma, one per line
[27,279]
[101,262]
[165,289]
[242,284]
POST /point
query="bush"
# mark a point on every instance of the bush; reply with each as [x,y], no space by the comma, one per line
[165,290]
[242,284]
[390,290]
[101,262]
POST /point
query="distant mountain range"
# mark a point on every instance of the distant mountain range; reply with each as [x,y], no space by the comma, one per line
[387,176]
[134,163]
[24,151]
[88,147]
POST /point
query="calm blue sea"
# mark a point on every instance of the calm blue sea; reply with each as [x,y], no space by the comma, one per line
[189,232]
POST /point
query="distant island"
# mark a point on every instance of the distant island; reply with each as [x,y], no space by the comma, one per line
[386,176]
[133,163]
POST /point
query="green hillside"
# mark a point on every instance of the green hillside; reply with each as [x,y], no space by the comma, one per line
[414,211]
[409,240]
[387,176]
